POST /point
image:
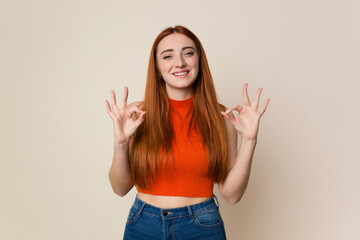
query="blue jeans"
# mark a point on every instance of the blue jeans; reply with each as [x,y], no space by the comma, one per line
[201,221]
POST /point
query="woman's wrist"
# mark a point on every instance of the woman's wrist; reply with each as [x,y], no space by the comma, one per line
[121,145]
[248,140]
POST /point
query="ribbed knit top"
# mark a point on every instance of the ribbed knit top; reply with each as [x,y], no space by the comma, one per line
[188,177]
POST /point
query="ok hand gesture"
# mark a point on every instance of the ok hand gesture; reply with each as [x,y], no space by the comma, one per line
[247,121]
[124,124]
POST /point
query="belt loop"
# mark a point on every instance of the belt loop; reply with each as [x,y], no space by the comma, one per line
[141,209]
[217,202]
[191,211]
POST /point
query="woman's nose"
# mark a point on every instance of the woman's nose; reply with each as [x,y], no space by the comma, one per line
[179,62]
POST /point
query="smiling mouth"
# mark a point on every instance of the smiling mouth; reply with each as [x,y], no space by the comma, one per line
[181,73]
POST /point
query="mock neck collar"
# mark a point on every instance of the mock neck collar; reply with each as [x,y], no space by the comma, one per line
[181,104]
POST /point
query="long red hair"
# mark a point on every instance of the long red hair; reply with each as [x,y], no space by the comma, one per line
[152,141]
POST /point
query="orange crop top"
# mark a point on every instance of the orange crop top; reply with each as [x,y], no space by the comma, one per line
[189,175]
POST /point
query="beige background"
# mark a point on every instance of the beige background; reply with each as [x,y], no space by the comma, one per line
[59,59]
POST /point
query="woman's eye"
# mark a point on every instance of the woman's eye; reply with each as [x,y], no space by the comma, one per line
[189,53]
[166,57]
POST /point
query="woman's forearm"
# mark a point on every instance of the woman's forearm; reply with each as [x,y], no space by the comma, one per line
[119,174]
[237,179]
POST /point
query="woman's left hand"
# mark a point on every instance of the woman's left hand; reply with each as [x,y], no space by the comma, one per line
[247,121]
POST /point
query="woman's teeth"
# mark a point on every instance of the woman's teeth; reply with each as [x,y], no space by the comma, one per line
[181,73]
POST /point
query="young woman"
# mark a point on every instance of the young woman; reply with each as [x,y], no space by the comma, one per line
[178,142]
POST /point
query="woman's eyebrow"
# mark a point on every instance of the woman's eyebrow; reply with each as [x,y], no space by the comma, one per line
[171,50]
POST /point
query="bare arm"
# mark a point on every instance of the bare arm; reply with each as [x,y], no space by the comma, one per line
[119,174]
[125,123]
[236,181]
[246,124]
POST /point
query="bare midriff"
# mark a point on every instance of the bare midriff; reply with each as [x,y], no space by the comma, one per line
[170,201]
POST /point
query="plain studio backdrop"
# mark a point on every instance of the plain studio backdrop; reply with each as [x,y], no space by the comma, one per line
[60,59]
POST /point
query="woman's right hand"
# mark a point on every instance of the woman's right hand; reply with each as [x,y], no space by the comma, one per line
[124,123]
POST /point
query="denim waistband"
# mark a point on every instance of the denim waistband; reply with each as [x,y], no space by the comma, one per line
[169,213]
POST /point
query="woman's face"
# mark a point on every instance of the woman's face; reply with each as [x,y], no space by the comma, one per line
[178,64]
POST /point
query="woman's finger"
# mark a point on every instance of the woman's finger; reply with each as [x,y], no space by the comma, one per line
[229,116]
[124,98]
[109,109]
[246,99]
[107,105]
[236,107]
[140,119]
[257,99]
[134,109]
[113,99]
[263,109]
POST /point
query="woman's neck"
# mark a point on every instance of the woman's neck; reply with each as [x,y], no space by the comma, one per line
[179,95]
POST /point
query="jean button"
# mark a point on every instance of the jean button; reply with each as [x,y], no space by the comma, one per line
[165,214]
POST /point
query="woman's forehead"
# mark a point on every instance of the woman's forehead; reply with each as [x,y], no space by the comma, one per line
[175,41]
